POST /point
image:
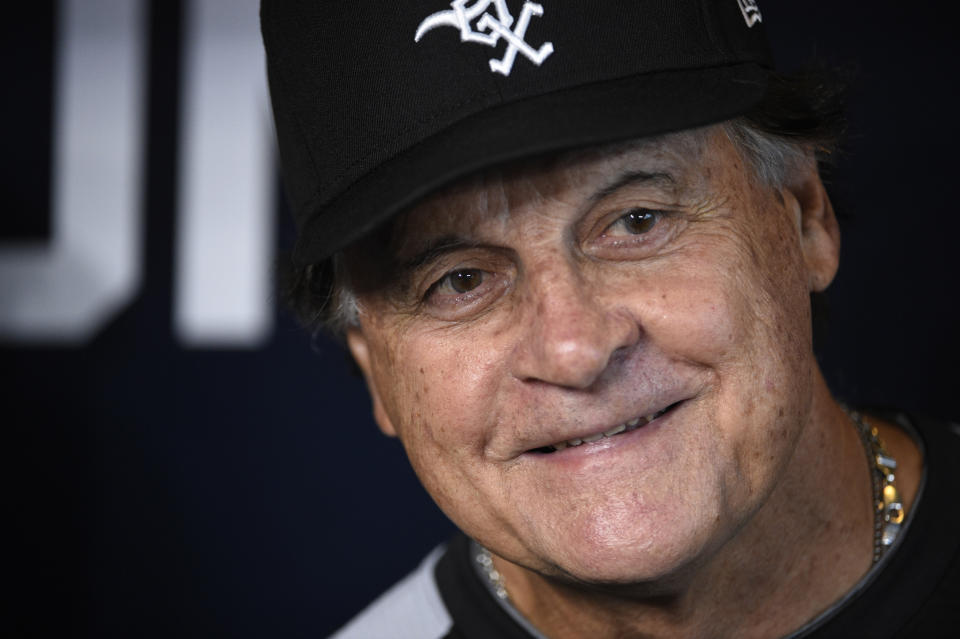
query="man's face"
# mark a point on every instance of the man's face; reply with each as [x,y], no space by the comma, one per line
[534,307]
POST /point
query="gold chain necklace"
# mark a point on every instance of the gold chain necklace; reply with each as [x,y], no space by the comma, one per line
[888,509]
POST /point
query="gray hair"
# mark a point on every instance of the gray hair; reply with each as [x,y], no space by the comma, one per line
[772,158]
[345,309]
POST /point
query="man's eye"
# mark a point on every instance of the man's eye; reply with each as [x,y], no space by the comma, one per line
[463,280]
[462,293]
[639,221]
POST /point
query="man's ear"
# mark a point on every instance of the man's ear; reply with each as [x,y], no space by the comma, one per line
[819,231]
[360,349]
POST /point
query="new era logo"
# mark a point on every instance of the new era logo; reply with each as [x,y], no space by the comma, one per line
[490,27]
[751,12]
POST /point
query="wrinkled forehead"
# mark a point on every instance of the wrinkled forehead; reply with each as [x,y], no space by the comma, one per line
[492,196]
[680,162]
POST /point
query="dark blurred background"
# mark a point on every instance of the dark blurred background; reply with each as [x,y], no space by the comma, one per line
[183,460]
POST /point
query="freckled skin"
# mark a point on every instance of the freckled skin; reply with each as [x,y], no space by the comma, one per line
[572,334]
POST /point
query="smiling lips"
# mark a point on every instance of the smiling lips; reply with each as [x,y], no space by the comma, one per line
[625,427]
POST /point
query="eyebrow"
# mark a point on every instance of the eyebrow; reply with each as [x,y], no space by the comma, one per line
[632,178]
[444,244]
[435,248]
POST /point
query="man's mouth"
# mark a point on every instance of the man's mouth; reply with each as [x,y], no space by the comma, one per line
[626,427]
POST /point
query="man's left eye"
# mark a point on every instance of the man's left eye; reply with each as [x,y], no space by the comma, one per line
[639,221]
[464,280]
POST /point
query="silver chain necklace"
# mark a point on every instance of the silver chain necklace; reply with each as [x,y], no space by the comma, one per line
[485,560]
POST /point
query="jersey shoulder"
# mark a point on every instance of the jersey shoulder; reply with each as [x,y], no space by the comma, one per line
[412,609]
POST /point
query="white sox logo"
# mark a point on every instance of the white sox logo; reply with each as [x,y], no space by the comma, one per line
[490,28]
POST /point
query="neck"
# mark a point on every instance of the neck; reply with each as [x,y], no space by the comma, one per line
[803,550]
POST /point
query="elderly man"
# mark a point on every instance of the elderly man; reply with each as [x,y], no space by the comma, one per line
[572,248]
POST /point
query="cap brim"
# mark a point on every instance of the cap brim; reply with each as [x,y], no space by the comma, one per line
[588,115]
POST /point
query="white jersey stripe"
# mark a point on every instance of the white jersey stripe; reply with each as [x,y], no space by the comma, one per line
[412,609]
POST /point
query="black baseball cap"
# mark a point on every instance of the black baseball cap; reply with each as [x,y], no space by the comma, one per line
[377,103]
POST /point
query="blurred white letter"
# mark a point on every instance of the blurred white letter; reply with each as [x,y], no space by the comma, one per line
[68,290]
[224,241]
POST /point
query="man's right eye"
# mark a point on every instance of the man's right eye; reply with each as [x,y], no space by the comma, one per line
[463,291]
[460,281]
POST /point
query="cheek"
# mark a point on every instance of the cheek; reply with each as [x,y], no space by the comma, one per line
[439,398]
[700,314]
[444,411]
[735,296]
[738,310]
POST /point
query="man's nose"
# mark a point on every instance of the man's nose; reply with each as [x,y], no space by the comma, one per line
[571,329]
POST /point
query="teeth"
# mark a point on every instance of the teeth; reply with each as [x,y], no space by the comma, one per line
[633,424]
[616,429]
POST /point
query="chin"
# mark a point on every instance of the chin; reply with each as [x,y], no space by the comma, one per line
[629,568]
[643,555]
